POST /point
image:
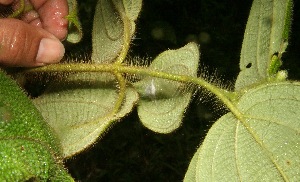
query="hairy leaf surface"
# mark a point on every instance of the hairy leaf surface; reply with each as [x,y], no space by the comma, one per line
[265,146]
[28,148]
[266,34]
[113,18]
[80,109]
[163,102]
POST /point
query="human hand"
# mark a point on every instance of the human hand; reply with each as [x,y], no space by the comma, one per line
[35,39]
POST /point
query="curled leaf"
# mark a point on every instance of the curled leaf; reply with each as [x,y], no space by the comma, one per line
[163,102]
[113,20]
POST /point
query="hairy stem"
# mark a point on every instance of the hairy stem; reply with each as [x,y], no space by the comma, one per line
[126,39]
[19,11]
[224,95]
[122,92]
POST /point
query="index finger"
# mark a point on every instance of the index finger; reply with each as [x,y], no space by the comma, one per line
[52,15]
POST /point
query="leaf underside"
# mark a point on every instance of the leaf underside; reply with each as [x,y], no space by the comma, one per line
[265,146]
[266,33]
[108,28]
[83,106]
[80,109]
[163,102]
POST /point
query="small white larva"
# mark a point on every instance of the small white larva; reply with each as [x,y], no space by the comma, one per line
[150,89]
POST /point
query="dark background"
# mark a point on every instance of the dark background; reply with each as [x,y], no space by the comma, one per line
[130,152]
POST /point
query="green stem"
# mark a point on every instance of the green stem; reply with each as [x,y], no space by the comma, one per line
[126,40]
[127,33]
[122,92]
[224,95]
[19,11]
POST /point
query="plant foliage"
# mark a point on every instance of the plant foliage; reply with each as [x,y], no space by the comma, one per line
[28,148]
[257,139]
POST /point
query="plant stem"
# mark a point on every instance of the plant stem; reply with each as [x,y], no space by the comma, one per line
[19,11]
[225,96]
[122,91]
[126,40]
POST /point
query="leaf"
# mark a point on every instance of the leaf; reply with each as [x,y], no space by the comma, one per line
[266,34]
[264,146]
[74,29]
[192,170]
[163,102]
[28,147]
[110,27]
[132,8]
[80,109]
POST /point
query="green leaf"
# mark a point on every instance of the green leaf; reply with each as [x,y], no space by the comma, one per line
[164,102]
[266,33]
[192,170]
[74,29]
[28,147]
[263,146]
[80,109]
[132,8]
[113,19]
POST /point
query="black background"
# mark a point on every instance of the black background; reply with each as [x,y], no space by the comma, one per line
[130,152]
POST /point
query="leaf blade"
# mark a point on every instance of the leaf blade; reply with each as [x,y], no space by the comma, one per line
[80,109]
[28,147]
[109,28]
[164,110]
[266,33]
[265,146]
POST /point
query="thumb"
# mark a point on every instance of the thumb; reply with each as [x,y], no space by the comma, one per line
[25,45]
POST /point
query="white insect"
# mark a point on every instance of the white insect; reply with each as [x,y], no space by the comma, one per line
[150,89]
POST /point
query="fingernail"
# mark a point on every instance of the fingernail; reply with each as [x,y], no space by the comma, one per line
[50,51]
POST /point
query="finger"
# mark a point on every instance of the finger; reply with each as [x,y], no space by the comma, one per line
[23,45]
[32,17]
[52,16]
[6,2]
